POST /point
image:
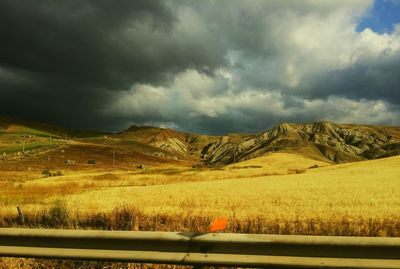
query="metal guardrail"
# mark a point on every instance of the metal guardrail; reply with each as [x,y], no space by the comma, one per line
[216,249]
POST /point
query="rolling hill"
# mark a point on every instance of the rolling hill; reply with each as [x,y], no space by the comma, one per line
[326,142]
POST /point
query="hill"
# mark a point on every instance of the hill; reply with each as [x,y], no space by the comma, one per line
[18,126]
[280,163]
[326,142]
[183,144]
[32,145]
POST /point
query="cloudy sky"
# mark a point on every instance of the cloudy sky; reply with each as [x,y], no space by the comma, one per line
[210,66]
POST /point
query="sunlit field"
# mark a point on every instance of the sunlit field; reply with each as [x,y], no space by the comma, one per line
[348,199]
[280,193]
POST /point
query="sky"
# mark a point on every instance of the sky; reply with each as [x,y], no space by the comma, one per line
[210,66]
[382,17]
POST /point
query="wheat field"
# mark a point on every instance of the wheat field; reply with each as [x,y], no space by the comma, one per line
[256,189]
[278,193]
[366,190]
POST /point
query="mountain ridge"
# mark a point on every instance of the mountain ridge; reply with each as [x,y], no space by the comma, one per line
[324,141]
[337,143]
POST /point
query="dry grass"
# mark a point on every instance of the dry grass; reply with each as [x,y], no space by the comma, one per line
[350,199]
[367,190]
[280,162]
[17,263]
[30,189]
[356,193]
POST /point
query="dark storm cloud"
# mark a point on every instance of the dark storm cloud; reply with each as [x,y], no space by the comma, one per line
[76,39]
[67,56]
[377,79]
[208,66]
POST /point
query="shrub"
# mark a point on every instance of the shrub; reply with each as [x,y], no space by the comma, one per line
[91,162]
[58,213]
[46,173]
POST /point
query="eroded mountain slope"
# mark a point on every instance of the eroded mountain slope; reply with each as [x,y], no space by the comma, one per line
[323,141]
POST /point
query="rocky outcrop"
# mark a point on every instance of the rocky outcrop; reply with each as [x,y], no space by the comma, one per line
[325,141]
[171,144]
[322,140]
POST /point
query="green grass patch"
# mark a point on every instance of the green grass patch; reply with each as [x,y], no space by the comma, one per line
[29,146]
[31,131]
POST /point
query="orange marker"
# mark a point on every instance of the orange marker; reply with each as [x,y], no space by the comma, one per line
[218,224]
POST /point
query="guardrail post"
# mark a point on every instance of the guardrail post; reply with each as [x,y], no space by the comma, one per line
[21,218]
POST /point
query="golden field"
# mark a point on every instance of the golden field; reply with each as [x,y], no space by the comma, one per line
[279,187]
[278,193]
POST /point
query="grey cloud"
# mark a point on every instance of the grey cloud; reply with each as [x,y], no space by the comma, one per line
[75,54]
[207,66]
[379,79]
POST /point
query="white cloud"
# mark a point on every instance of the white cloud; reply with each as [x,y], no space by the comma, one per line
[175,106]
[283,63]
[343,110]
